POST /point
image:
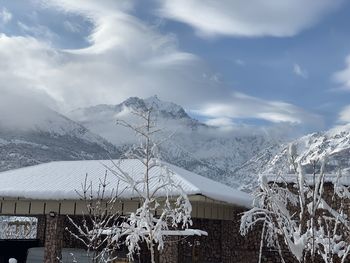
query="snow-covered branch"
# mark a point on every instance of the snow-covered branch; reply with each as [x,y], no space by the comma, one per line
[302,215]
[164,207]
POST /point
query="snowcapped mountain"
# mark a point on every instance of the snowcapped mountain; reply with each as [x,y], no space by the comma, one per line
[101,119]
[333,144]
[31,133]
[203,149]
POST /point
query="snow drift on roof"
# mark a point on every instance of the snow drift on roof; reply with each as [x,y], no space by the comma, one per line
[61,180]
[344,179]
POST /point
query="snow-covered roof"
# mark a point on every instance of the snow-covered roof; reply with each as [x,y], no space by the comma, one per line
[60,180]
[292,178]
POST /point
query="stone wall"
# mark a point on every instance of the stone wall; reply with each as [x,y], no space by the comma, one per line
[170,253]
[68,241]
[202,249]
[53,238]
[223,244]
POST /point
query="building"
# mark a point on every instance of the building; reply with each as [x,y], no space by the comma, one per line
[48,192]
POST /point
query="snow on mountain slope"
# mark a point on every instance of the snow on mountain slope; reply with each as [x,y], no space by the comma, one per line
[203,149]
[101,119]
[31,133]
[333,144]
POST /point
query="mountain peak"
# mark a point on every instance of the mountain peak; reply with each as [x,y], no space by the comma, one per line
[160,107]
[133,102]
[166,107]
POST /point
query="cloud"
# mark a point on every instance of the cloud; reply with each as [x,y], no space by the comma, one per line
[125,57]
[299,71]
[254,18]
[38,31]
[19,112]
[241,106]
[344,115]
[223,122]
[5,16]
[72,27]
[240,62]
[342,77]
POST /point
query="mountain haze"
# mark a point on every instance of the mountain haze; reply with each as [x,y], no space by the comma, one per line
[206,150]
[33,134]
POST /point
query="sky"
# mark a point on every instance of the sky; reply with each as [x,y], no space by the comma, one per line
[227,62]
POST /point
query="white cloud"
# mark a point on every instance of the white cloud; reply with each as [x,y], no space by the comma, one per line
[5,16]
[278,18]
[221,122]
[344,115]
[38,31]
[343,76]
[124,58]
[242,106]
[72,27]
[299,71]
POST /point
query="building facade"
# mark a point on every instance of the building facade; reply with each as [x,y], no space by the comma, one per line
[47,192]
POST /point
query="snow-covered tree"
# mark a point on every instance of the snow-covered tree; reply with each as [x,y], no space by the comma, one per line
[165,209]
[304,214]
[164,206]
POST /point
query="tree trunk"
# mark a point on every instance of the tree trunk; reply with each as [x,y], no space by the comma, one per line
[152,253]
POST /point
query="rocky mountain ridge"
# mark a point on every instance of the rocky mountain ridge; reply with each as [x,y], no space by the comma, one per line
[332,145]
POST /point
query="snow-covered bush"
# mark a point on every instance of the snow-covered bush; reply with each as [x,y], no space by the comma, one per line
[305,214]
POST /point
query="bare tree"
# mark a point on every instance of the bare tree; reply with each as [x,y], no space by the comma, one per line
[101,218]
[297,213]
